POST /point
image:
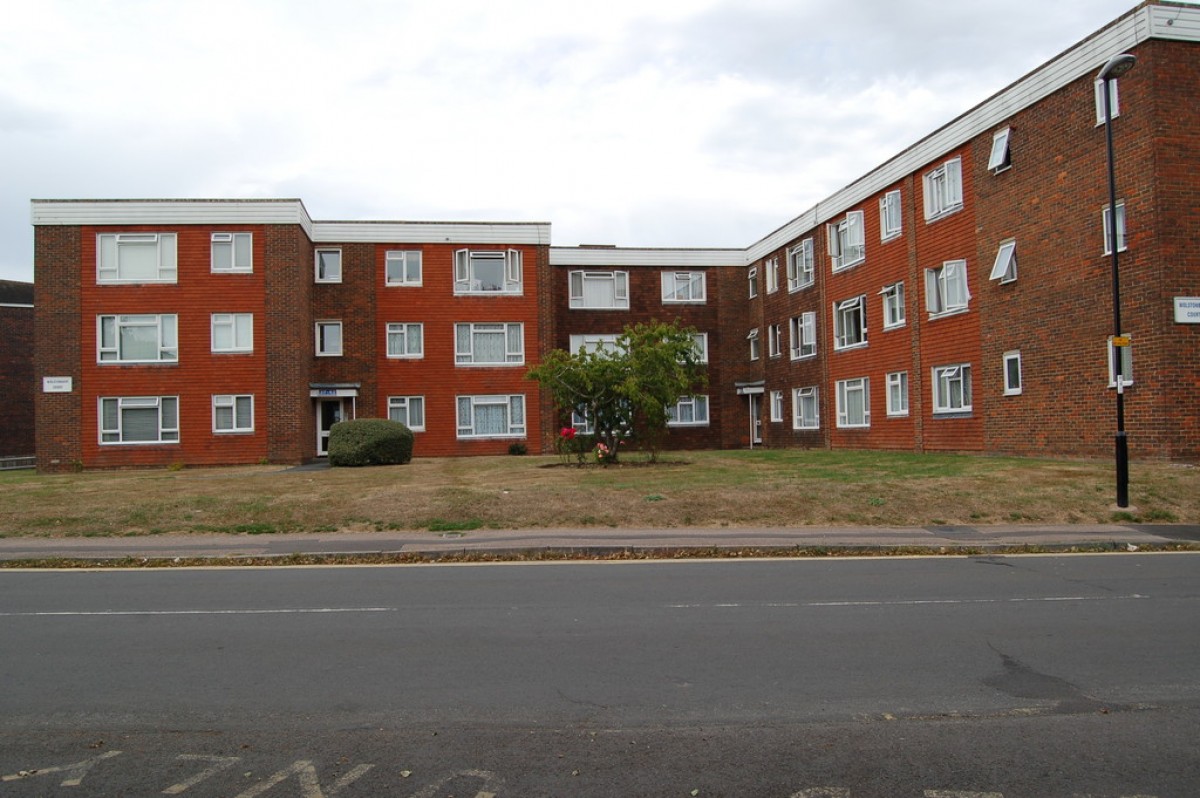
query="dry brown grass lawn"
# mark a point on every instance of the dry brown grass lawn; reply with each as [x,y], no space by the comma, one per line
[707,489]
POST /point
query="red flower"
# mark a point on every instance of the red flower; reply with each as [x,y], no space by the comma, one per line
[567,432]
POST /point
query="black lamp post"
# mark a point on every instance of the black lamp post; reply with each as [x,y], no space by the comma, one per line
[1117,66]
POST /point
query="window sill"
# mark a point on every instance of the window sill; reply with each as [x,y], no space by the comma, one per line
[900,326]
[948,313]
[892,237]
[952,414]
[792,289]
[943,214]
[850,347]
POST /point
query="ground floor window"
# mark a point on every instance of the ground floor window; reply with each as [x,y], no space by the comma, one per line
[491,416]
[805,410]
[777,405]
[408,410]
[139,419]
[854,402]
[233,413]
[897,393]
[688,411]
[952,389]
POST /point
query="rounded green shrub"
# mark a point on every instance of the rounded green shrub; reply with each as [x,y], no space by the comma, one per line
[370,441]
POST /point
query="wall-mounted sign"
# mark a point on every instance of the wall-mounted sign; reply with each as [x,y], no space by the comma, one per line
[56,385]
[1187,310]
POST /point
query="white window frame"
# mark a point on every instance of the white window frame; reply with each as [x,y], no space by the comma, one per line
[943,190]
[771,267]
[842,311]
[701,340]
[405,332]
[166,432]
[1012,380]
[946,289]
[513,332]
[897,394]
[1126,364]
[592,342]
[752,279]
[694,406]
[845,388]
[683,288]
[755,352]
[235,248]
[802,333]
[240,329]
[945,378]
[1114,99]
[1106,220]
[847,241]
[999,158]
[405,405]
[410,265]
[774,340]
[776,406]
[801,266]
[891,217]
[109,350]
[514,405]
[327,271]
[1004,268]
[465,281]
[894,314]
[577,280]
[803,399]
[109,247]
[322,348]
[241,413]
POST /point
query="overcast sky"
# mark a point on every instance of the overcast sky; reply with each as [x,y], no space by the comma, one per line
[689,123]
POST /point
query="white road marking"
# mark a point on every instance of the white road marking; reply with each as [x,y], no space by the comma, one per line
[961,794]
[94,613]
[823,792]
[75,772]
[903,602]
[491,783]
[306,774]
[219,763]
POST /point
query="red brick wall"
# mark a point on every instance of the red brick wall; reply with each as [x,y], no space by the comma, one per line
[57,345]
[290,343]
[17,382]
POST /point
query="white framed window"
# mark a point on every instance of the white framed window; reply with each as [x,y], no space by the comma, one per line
[683,287]
[232,252]
[998,158]
[946,289]
[137,339]
[847,241]
[139,419]
[408,410]
[806,411]
[774,340]
[754,345]
[402,267]
[328,266]
[593,342]
[897,393]
[599,290]
[487,271]
[1004,268]
[771,267]
[943,190]
[491,416]
[890,224]
[136,258]
[489,344]
[893,305]
[232,413]
[1012,373]
[752,280]
[952,389]
[1126,364]
[701,340]
[405,339]
[777,405]
[1113,98]
[850,323]
[689,411]
[802,331]
[801,270]
[232,332]
[854,402]
[329,338]
[1107,224]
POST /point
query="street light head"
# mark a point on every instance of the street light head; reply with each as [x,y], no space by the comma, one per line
[1117,66]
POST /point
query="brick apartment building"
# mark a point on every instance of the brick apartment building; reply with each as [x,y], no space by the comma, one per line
[958,297]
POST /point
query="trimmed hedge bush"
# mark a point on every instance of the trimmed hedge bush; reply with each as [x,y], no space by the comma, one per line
[369,441]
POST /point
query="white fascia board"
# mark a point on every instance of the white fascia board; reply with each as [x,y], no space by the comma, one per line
[170,212]
[495,233]
[614,257]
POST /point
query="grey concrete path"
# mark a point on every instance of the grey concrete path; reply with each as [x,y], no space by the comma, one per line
[597,541]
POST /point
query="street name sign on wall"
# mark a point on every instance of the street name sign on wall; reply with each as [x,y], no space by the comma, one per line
[56,384]
[1187,310]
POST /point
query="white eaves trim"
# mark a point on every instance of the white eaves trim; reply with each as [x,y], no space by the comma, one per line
[662,258]
[536,233]
[170,212]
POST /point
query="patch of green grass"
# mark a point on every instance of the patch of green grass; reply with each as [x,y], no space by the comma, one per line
[443,525]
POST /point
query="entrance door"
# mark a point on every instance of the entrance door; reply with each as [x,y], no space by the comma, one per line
[329,412]
[755,420]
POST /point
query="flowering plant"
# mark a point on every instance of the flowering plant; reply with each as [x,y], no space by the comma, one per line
[568,433]
[602,452]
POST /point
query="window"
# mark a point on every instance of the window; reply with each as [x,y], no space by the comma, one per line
[683,287]
[688,411]
[998,159]
[137,339]
[408,410]
[232,252]
[593,343]
[752,279]
[232,332]
[847,241]
[1126,364]
[136,258]
[850,323]
[233,413]
[946,288]
[329,266]
[774,340]
[487,272]
[139,419]
[889,215]
[599,290]
[1012,373]
[800,270]
[402,267]
[1005,267]
[772,269]
[753,339]
[701,347]
[491,416]
[489,344]
[1107,214]
[329,338]
[405,340]
[802,331]
[897,393]
[943,190]
[777,405]
[805,409]
[952,389]
[893,305]
[1113,99]
[854,402]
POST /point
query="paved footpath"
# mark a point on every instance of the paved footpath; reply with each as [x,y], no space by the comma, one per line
[602,541]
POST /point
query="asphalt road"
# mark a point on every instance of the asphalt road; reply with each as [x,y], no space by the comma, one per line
[941,678]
